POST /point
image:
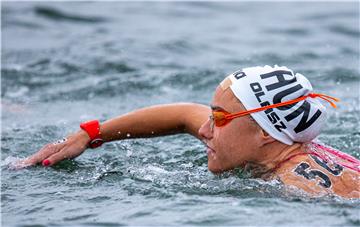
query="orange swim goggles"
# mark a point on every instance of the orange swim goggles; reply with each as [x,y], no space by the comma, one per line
[220,118]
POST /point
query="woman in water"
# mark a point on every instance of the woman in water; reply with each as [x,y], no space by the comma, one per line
[262,118]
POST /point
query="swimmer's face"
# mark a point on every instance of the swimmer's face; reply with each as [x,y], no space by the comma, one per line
[233,144]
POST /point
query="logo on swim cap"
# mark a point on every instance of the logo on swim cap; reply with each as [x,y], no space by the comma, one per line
[263,86]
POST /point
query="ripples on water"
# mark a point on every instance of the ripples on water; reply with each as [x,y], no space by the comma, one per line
[59,59]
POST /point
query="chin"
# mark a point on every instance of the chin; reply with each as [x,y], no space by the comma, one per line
[215,169]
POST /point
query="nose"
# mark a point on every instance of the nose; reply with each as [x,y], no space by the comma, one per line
[205,130]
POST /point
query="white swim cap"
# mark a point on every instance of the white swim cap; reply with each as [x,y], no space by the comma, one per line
[256,87]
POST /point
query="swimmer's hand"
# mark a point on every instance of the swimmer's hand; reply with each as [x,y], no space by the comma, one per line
[52,153]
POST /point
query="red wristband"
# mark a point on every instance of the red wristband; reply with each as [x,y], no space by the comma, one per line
[92,128]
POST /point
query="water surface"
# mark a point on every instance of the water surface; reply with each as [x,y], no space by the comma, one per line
[66,62]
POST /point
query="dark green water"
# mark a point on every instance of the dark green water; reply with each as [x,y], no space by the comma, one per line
[63,63]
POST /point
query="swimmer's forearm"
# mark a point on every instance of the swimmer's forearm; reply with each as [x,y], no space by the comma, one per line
[156,121]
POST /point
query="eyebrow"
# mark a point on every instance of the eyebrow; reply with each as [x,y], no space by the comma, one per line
[216,107]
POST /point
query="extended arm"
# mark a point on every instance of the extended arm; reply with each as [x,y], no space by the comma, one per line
[147,122]
[156,121]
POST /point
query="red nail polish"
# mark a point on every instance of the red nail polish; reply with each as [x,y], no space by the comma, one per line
[46,162]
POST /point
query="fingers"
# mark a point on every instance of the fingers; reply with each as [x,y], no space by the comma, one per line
[51,154]
[43,153]
[55,158]
[68,152]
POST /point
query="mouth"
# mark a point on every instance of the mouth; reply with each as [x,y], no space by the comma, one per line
[209,150]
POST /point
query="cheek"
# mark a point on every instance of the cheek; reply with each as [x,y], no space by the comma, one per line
[235,143]
[228,139]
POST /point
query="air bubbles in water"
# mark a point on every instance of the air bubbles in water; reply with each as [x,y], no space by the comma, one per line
[204,186]
[129,153]
[13,163]
[188,165]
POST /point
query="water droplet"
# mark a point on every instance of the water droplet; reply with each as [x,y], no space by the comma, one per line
[128,135]
[129,153]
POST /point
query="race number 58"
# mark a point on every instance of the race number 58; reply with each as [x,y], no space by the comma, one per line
[304,170]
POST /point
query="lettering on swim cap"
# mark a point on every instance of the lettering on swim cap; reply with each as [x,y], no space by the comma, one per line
[226,83]
[304,109]
[239,74]
[271,115]
[261,86]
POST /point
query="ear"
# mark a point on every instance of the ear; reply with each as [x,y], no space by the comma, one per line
[265,137]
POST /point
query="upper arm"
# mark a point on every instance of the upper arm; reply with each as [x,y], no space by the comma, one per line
[194,116]
[305,174]
[308,186]
[320,177]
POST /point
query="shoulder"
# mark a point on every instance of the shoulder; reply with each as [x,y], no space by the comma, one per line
[300,172]
[316,176]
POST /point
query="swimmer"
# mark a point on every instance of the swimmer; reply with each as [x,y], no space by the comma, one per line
[263,119]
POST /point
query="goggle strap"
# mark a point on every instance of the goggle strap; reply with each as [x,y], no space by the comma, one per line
[327,98]
[265,108]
